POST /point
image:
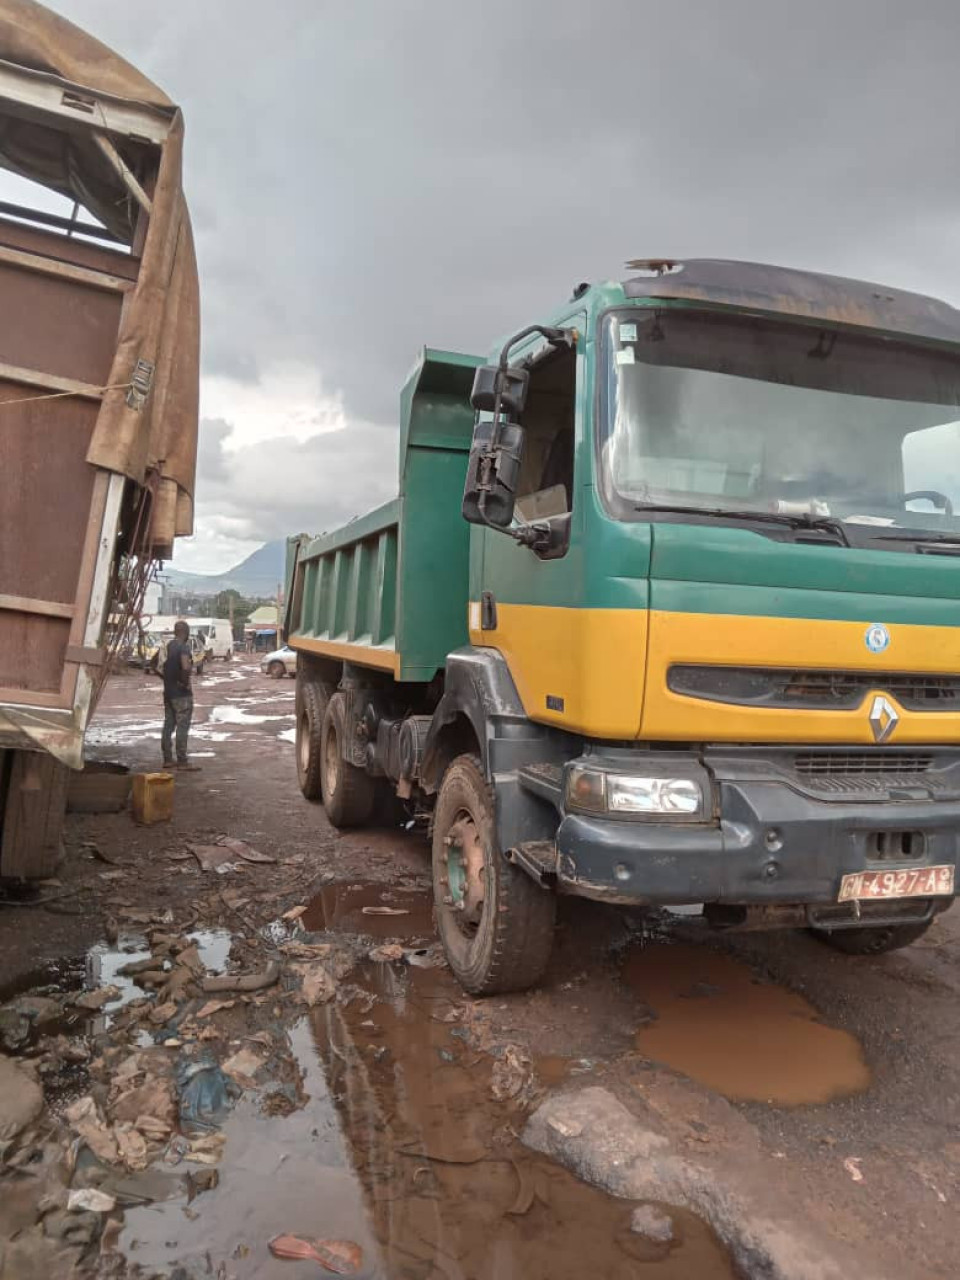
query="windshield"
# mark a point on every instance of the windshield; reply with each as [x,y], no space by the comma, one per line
[739,414]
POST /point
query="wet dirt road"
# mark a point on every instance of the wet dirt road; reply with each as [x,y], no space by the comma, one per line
[804,1103]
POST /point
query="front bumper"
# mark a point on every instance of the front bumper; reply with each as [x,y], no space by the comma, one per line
[769,844]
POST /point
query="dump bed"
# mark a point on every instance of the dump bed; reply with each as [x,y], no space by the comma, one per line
[389,590]
[99,347]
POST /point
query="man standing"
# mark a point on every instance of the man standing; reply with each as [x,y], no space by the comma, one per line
[176,667]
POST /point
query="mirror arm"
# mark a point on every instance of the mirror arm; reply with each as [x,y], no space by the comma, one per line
[556,337]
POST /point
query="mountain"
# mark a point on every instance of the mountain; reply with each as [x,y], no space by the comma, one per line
[258,575]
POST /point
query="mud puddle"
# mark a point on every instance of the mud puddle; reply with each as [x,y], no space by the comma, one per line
[105,961]
[237,715]
[372,910]
[42,1005]
[407,1147]
[717,1022]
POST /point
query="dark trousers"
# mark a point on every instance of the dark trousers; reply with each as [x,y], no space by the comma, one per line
[177,714]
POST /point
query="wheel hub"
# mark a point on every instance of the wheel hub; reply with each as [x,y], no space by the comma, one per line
[465,863]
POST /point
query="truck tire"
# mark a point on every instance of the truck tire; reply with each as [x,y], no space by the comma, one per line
[348,792]
[311,703]
[495,923]
[873,939]
[34,801]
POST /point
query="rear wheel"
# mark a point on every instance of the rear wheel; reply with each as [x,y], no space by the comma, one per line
[874,939]
[348,792]
[495,923]
[277,670]
[312,699]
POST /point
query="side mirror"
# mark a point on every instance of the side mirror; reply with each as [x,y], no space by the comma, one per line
[492,472]
[500,388]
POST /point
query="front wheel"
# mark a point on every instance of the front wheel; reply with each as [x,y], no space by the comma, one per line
[277,670]
[873,939]
[495,923]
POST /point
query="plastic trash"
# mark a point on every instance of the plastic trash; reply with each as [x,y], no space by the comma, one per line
[206,1094]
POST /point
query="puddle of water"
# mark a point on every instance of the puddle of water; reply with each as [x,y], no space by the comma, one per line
[341,908]
[122,731]
[748,1039]
[236,715]
[288,735]
[401,1148]
[104,962]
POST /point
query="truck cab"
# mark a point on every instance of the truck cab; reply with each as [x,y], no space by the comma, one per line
[712,651]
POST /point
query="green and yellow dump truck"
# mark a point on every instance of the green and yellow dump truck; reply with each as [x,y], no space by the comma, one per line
[666,612]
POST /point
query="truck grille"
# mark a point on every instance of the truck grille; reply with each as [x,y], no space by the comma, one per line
[815,690]
[844,763]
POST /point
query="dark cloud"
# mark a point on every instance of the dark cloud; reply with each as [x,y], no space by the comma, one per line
[281,485]
[369,177]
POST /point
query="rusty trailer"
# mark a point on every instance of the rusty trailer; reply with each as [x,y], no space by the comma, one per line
[98,420]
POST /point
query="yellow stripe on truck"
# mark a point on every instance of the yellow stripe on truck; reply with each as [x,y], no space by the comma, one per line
[740,641]
[603,672]
[580,669]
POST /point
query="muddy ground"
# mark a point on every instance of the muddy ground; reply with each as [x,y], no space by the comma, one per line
[804,1104]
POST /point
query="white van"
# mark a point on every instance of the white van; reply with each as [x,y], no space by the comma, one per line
[217,634]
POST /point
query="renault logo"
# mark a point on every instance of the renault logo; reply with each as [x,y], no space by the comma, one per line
[883,718]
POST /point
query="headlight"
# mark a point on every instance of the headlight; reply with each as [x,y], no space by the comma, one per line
[596,791]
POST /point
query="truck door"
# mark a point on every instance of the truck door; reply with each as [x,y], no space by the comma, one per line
[523,603]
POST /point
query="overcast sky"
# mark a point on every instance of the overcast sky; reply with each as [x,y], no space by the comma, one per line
[368,177]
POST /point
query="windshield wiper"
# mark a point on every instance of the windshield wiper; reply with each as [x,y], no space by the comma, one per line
[917,535]
[827,523]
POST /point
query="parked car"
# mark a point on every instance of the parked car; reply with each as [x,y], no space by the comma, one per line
[280,663]
[153,644]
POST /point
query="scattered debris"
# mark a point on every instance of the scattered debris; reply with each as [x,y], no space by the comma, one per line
[294,913]
[387,954]
[241,849]
[317,986]
[95,1000]
[86,1121]
[852,1166]
[210,856]
[431,957]
[206,1094]
[512,1074]
[90,1199]
[21,1099]
[243,981]
[385,911]
[340,1256]
[214,1006]
[243,1065]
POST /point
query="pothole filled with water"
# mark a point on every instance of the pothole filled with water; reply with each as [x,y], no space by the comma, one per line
[403,1148]
[716,1021]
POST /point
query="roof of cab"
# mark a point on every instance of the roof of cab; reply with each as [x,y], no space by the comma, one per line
[804,295]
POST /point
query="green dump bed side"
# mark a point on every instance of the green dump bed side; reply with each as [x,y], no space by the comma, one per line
[389,590]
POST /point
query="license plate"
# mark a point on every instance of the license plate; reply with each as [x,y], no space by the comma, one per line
[918,882]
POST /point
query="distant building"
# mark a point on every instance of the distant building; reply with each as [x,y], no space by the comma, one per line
[152,598]
[261,630]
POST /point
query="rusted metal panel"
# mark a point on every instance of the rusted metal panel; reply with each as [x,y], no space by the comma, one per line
[24,604]
[64,327]
[64,270]
[32,650]
[46,486]
[77,253]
